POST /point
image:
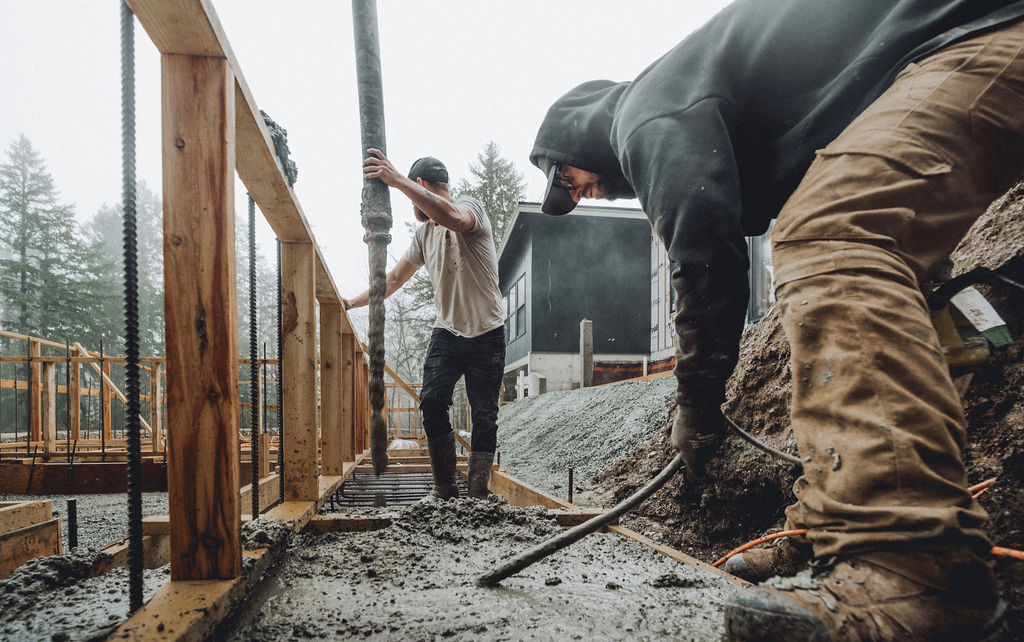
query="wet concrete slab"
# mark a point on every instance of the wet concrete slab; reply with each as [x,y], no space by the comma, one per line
[415,580]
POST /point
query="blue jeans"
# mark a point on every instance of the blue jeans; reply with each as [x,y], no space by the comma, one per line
[482,360]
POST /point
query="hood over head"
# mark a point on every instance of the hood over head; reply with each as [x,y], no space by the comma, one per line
[577,131]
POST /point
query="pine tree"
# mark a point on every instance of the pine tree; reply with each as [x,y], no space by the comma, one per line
[498,185]
[43,266]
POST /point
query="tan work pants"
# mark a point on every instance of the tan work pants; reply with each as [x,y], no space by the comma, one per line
[878,423]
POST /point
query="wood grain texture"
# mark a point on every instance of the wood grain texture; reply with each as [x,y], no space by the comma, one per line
[76,401]
[331,396]
[200,317]
[49,407]
[348,397]
[37,540]
[298,380]
[15,515]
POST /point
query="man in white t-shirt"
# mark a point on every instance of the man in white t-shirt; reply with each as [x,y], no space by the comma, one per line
[455,244]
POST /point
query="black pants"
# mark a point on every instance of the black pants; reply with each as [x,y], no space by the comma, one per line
[482,360]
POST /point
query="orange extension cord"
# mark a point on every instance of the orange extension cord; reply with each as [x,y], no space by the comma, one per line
[975,491]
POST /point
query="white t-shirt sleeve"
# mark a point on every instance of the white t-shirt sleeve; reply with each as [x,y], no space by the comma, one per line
[481,222]
[414,254]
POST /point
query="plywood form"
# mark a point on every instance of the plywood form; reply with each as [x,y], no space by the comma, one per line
[21,545]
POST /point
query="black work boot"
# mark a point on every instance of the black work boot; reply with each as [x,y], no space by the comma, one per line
[782,557]
[479,473]
[442,466]
[858,600]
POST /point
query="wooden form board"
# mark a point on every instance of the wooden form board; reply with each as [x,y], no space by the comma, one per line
[21,545]
[298,371]
[16,515]
[199,316]
[332,457]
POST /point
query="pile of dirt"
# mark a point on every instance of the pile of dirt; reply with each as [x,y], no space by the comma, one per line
[416,580]
[745,491]
[586,430]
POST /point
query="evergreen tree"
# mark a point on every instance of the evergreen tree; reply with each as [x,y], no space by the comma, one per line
[45,286]
[498,185]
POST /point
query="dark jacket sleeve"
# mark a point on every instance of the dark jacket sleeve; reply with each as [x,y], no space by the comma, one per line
[684,172]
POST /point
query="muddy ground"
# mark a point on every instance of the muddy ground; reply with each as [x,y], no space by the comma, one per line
[415,580]
[746,491]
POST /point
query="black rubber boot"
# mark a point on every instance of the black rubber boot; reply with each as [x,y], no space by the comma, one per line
[479,473]
[442,466]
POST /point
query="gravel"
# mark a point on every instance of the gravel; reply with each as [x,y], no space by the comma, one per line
[540,438]
[102,519]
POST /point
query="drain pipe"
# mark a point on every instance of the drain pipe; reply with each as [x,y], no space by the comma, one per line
[562,540]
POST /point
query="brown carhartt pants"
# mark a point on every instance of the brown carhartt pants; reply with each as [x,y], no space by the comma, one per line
[878,423]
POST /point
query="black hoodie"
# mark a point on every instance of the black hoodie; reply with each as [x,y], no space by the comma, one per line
[716,134]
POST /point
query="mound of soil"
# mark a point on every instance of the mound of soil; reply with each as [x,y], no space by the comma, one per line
[746,491]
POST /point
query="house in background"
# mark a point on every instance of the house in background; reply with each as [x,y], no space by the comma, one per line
[598,263]
[554,271]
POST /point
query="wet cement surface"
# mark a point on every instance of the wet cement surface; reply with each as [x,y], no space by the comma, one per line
[52,598]
[415,580]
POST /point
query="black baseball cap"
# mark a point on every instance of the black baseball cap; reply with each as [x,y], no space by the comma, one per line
[557,199]
[429,169]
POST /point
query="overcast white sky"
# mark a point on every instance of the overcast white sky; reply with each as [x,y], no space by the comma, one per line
[456,74]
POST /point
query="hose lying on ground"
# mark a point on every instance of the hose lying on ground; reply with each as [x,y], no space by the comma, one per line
[760,444]
[562,540]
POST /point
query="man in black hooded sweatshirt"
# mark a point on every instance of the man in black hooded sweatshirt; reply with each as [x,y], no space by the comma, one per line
[876,131]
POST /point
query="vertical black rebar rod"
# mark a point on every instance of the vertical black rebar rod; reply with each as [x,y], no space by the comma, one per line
[263,379]
[29,388]
[103,415]
[570,485]
[67,392]
[375,211]
[72,523]
[280,384]
[254,367]
[131,422]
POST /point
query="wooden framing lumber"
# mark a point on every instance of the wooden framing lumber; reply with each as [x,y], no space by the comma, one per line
[348,396]
[48,405]
[35,399]
[298,348]
[332,456]
[23,544]
[15,515]
[520,494]
[75,400]
[105,397]
[200,316]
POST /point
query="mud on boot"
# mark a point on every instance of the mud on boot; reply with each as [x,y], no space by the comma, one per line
[442,467]
[858,600]
[479,473]
[781,557]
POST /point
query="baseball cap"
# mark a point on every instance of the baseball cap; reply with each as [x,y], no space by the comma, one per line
[429,169]
[557,199]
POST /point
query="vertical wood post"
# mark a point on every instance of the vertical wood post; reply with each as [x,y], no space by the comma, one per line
[75,399]
[331,383]
[48,402]
[36,386]
[298,345]
[264,446]
[156,408]
[105,398]
[200,317]
[348,397]
[586,353]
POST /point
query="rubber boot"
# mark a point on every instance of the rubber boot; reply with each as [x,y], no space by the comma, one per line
[442,466]
[479,473]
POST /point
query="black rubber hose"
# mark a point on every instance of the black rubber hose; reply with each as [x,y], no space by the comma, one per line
[575,533]
[760,444]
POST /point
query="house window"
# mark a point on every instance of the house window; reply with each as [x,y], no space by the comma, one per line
[515,310]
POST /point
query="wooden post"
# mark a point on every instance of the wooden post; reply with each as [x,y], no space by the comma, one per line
[75,399]
[48,402]
[298,344]
[200,317]
[586,353]
[105,398]
[36,386]
[156,408]
[264,446]
[331,383]
[348,397]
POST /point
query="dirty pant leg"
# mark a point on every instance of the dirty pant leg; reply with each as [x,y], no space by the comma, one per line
[442,368]
[874,411]
[485,365]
